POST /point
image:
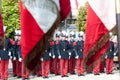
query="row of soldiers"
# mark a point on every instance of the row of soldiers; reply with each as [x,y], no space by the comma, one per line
[61,56]
[11,50]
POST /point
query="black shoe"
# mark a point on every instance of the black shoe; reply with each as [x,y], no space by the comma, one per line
[57,74]
[14,75]
[81,75]
[66,76]
[89,72]
[46,77]
[72,73]
[96,74]
[51,72]
[19,77]
[102,71]
[39,75]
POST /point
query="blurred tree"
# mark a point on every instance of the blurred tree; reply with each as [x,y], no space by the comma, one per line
[11,16]
[81,18]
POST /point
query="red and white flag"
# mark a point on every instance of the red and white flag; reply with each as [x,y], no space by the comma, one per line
[1,22]
[38,22]
[100,20]
[77,3]
[1,27]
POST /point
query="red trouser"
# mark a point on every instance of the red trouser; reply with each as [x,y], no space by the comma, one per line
[102,64]
[45,67]
[14,67]
[25,71]
[64,67]
[39,73]
[109,65]
[51,66]
[18,68]
[80,66]
[96,66]
[56,66]
[4,69]
[72,65]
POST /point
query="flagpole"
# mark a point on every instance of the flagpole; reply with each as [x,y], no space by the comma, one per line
[118,28]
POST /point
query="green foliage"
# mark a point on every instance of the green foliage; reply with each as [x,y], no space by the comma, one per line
[11,16]
[81,18]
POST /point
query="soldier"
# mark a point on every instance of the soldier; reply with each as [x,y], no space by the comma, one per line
[79,47]
[109,58]
[72,54]
[52,45]
[4,56]
[56,60]
[19,57]
[13,54]
[64,56]
[46,62]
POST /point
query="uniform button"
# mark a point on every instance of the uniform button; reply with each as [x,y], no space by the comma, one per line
[45,50]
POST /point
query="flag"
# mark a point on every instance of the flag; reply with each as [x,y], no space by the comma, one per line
[39,19]
[101,20]
[77,4]
[1,26]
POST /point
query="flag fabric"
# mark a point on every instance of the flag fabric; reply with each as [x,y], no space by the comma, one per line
[1,27]
[77,4]
[101,20]
[39,19]
[1,22]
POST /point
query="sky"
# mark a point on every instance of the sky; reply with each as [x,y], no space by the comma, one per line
[73,5]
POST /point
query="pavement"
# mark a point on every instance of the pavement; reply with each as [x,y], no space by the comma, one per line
[102,76]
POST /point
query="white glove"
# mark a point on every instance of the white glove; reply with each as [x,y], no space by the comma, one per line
[59,57]
[69,53]
[49,54]
[14,58]
[53,56]
[76,57]
[41,59]
[114,54]
[9,53]
[10,57]
[106,57]
[20,59]
[0,58]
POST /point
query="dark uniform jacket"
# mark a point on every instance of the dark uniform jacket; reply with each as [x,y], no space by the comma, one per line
[110,53]
[57,49]
[52,48]
[4,53]
[16,50]
[72,48]
[64,49]
[80,48]
[46,55]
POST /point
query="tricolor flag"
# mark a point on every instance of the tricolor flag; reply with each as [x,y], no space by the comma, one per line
[39,19]
[101,19]
[1,26]
[77,3]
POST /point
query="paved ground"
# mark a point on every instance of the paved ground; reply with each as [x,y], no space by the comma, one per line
[102,76]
